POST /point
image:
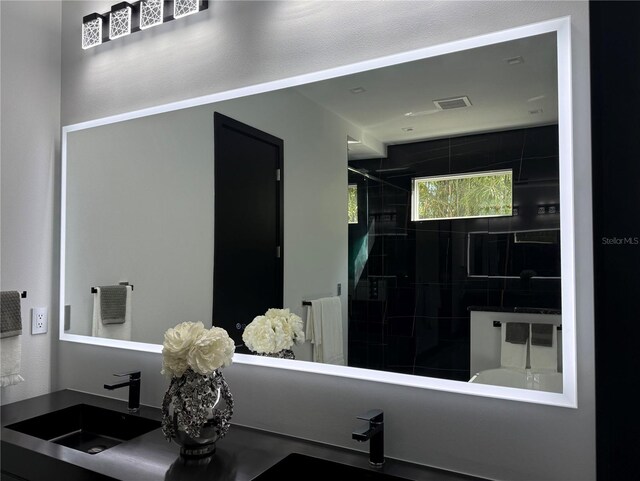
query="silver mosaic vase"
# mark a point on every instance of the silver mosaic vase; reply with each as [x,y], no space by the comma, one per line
[196,412]
[284,354]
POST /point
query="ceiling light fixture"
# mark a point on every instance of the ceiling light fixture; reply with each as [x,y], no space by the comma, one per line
[125,18]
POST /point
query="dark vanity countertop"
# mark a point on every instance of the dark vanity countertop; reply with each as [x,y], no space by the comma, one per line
[521,310]
[241,455]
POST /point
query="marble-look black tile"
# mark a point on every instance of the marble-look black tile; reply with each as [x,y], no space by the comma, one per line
[401,350]
[401,325]
[415,284]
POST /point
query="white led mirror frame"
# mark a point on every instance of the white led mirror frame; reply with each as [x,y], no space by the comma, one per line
[568,398]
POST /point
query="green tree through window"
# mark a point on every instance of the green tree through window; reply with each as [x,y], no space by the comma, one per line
[485,194]
[353,204]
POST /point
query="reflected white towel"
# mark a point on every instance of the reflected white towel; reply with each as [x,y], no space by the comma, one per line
[310,332]
[111,331]
[512,355]
[10,352]
[324,330]
[544,358]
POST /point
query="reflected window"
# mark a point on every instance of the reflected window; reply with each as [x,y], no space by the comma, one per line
[353,203]
[481,194]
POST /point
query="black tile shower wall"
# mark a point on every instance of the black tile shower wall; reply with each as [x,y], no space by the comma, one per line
[615,75]
[409,282]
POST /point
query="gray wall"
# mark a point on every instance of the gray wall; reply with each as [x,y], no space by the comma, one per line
[168,255]
[242,43]
[30,98]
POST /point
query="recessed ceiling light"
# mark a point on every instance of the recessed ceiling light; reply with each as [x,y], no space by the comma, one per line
[357,90]
[422,112]
[514,60]
[407,129]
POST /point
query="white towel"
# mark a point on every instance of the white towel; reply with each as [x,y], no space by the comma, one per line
[313,330]
[544,358]
[111,331]
[10,352]
[512,355]
[324,330]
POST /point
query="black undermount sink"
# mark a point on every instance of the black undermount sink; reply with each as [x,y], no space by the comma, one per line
[87,428]
[291,466]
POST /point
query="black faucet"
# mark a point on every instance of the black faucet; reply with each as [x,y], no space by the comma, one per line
[374,433]
[134,389]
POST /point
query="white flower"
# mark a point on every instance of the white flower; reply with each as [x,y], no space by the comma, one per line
[211,350]
[190,345]
[276,330]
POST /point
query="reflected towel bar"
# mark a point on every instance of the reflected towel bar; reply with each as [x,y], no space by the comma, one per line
[94,290]
[338,290]
[499,324]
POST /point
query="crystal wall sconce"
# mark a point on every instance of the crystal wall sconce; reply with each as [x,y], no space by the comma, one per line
[151,13]
[182,8]
[119,20]
[91,31]
[125,18]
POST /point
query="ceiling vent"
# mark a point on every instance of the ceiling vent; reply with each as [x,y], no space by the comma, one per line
[453,103]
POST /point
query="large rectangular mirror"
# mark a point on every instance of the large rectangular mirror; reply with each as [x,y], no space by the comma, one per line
[428,194]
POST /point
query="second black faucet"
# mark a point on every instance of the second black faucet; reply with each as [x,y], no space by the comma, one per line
[374,433]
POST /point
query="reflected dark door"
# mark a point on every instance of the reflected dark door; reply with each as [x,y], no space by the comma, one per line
[247,272]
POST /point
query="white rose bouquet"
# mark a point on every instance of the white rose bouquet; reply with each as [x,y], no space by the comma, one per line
[190,346]
[275,331]
[198,405]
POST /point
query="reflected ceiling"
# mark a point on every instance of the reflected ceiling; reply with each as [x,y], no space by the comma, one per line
[509,85]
